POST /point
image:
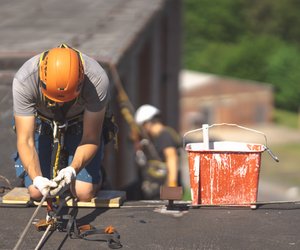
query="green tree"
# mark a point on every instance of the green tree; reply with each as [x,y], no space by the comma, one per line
[283,72]
[219,20]
[254,40]
[274,17]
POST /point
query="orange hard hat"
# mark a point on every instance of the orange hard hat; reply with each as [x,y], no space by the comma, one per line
[61,74]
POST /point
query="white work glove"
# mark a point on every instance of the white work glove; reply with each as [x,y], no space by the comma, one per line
[43,184]
[63,180]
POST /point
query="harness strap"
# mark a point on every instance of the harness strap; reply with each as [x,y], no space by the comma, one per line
[69,122]
[112,239]
[54,166]
[91,233]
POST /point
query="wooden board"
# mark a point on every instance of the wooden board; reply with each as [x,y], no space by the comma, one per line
[17,195]
[104,198]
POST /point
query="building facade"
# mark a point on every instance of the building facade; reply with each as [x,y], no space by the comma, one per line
[211,99]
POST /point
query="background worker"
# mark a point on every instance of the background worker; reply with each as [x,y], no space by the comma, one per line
[165,140]
[60,84]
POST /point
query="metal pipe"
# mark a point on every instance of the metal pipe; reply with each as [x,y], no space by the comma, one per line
[30,221]
[43,237]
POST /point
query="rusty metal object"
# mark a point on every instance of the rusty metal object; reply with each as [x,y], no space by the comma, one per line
[109,230]
[42,224]
[171,194]
[84,228]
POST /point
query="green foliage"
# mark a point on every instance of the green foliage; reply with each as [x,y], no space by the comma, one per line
[213,20]
[276,17]
[283,72]
[246,39]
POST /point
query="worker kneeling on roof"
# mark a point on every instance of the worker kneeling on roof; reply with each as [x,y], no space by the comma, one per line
[60,88]
[166,142]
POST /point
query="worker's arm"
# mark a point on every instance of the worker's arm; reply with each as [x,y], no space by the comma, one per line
[92,128]
[25,126]
[25,144]
[172,165]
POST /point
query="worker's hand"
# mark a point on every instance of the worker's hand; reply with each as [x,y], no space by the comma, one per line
[67,174]
[63,180]
[43,184]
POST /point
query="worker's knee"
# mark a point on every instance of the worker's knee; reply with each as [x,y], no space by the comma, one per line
[85,191]
[84,196]
[34,193]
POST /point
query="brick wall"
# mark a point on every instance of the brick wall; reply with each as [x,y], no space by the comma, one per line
[226,100]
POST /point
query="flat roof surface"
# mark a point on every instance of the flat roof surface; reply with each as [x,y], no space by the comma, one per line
[100,28]
[147,225]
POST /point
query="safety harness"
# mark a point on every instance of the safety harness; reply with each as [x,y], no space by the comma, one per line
[91,233]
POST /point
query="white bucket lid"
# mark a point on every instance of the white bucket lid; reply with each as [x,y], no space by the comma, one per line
[226,146]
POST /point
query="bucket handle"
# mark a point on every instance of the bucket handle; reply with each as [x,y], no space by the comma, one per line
[235,125]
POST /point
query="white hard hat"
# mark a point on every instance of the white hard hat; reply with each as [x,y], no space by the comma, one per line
[145,113]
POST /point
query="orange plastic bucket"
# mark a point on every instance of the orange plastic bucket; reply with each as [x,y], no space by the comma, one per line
[224,172]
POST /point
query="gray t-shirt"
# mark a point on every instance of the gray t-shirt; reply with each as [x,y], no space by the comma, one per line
[27,95]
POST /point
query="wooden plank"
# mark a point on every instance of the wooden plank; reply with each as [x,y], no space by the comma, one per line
[17,195]
[104,198]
